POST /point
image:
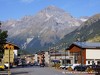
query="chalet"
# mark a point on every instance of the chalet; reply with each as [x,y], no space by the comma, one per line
[39,57]
[52,57]
[85,52]
[13,52]
[29,59]
[62,57]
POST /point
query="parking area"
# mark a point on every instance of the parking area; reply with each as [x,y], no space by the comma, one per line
[38,70]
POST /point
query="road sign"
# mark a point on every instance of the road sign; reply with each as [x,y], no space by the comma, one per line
[8,54]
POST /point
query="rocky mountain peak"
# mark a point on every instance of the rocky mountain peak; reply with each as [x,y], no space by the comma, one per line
[53,8]
[47,26]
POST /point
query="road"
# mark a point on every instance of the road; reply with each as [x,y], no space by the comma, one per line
[36,71]
[41,71]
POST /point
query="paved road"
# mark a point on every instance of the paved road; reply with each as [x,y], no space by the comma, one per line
[41,71]
[35,71]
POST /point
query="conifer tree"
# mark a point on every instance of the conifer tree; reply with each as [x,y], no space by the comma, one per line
[3,36]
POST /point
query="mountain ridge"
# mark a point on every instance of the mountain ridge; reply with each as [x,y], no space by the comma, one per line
[88,31]
[41,30]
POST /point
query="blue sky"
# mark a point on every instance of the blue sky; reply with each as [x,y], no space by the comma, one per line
[16,9]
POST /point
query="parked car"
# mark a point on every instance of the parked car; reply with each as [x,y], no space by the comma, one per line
[36,64]
[73,66]
[63,66]
[68,65]
[7,65]
[42,64]
[96,68]
[2,67]
[80,68]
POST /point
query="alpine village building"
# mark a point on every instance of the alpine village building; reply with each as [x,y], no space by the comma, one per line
[85,53]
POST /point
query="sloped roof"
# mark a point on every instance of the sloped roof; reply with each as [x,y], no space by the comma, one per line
[15,46]
[87,44]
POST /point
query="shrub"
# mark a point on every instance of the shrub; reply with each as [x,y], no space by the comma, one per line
[70,69]
[89,70]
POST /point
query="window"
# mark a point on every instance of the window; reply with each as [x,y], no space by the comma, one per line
[98,62]
[92,62]
[88,62]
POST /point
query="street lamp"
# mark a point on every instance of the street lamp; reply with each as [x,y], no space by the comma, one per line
[55,51]
[54,56]
[64,45]
[79,39]
[65,54]
[49,55]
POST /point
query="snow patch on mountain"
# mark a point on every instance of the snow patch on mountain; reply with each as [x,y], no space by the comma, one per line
[29,40]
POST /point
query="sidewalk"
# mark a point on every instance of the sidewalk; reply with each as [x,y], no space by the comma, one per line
[74,72]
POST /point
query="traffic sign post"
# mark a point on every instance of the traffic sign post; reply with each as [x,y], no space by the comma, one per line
[9,56]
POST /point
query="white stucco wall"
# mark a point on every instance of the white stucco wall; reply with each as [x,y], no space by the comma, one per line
[15,53]
[35,57]
[92,55]
[47,57]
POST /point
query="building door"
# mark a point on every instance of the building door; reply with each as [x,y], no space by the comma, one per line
[68,61]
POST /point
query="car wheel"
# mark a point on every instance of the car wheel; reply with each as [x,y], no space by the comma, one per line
[1,69]
[5,67]
[75,69]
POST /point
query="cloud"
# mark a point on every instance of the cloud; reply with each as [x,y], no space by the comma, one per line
[27,1]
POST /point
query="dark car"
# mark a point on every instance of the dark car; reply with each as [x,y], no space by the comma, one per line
[96,68]
[80,68]
[42,64]
[36,64]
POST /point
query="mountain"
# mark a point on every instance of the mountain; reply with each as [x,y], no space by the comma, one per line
[87,31]
[41,30]
[84,18]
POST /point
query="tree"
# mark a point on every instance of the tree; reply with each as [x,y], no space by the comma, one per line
[3,36]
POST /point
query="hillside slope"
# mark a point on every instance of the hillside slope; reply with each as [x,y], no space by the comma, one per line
[88,31]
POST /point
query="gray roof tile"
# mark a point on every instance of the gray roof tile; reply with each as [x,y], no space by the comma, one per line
[87,44]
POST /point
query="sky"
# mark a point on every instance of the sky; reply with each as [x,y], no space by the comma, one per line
[16,9]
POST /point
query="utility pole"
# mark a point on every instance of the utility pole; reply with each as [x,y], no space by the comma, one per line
[81,60]
[64,44]
[65,58]
[49,52]
[9,63]
[54,52]
[79,39]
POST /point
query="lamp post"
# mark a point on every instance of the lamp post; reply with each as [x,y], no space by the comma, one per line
[49,55]
[65,54]
[79,39]
[64,45]
[54,51]
[65,58]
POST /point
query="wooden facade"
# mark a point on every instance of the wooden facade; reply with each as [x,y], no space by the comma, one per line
[9,53]
[79,54]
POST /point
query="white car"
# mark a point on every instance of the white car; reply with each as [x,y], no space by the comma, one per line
[69,65]
[7,65]
[63,66]
[73,66]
